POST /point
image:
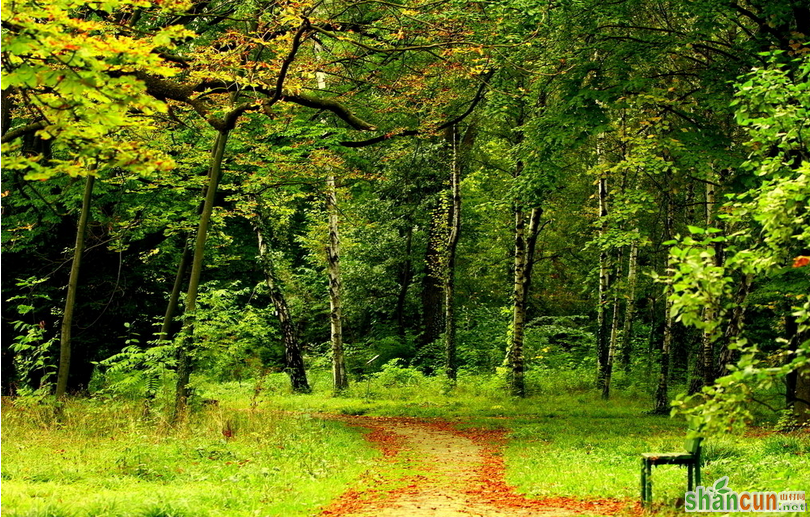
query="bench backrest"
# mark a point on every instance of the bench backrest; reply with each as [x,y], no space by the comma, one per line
[692,445]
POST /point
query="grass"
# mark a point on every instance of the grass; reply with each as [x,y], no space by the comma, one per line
[106,460]
[284,460]
[565,440]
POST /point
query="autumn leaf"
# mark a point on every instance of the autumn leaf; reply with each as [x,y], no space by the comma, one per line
[801,261]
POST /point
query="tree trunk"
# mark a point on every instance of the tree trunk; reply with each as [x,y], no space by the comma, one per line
[602,343]
[340,377]
[629,309]
[174,299]
[662,406]
[184,351]
[797,394]
[524,261]
[73,284]
[433,287]
[450,366]
[405,276]
[704,369]
[166,333]
[725,355]
[614,336]
[801,406]
[293,357]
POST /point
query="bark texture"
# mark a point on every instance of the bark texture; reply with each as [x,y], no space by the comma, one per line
[65,346]
[662,391]
[626,348]
[184,352]
[603,337]
[340,378]
[450,366]
[293,356]
[525,240]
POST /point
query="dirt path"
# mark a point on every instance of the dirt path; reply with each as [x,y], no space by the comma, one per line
[431,468]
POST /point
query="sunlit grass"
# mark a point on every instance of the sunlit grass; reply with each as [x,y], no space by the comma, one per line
[255,448]
[566,441]
[106,460]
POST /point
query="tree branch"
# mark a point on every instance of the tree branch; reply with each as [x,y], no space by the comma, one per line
[14,134]
[331,105]
[412,132]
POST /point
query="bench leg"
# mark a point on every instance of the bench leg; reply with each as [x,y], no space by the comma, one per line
[646,482]
[697,471]
[690,477]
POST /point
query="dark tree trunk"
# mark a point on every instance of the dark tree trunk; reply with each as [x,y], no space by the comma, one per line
[293,357]
[405,276]
[797,394]
[432,285]
[725,355]
[166,333]
[662,390]
[184,352]
[73,285]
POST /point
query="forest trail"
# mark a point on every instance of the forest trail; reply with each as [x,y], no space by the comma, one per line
[430,468]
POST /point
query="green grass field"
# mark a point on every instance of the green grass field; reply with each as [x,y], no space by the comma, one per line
[270,454]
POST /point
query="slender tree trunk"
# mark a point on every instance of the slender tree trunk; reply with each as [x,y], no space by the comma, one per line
[293,357]
[514,353]
[725,355]
[704,368]
[166,333]
[614,335]
[799,380]
[525,241]
[801,407]
[433,285]
[662,391]
[405,276]
[174,299]
[629,309]
[340,377]
[184,352]
[602,344]
[449,279]
[73,285]
[707,344]
[797,394]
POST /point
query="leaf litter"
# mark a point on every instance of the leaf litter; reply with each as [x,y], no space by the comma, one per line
[431,468]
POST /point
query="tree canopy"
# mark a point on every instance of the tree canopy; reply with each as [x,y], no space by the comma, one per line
[618,189]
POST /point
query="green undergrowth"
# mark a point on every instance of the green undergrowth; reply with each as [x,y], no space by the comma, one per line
[105,459]
[564,440]
[255,448]
[597,454]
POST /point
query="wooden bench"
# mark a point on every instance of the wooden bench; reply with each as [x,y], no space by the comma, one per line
[690,457]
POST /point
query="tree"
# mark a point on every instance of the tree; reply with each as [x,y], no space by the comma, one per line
[70,301]
[770,236]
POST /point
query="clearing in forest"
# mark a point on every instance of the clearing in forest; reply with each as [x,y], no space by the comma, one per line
[429,467]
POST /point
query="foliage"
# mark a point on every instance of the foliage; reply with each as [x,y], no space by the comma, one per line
[772,229]
[32,346]
[557,96]
[75,74]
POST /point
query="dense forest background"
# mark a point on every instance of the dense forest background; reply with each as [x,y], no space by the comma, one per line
[222,188]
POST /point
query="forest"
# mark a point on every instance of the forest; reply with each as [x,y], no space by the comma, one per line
[285,244]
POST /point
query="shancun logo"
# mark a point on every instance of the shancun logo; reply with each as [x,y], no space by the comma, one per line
[720,498]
